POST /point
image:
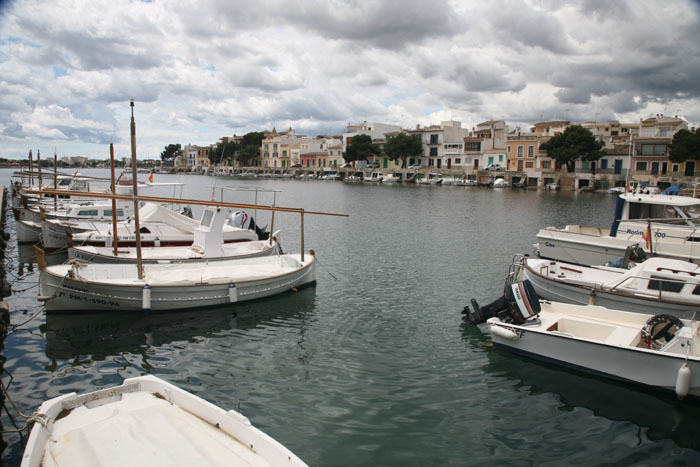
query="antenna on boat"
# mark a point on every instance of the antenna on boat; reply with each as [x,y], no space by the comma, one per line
[135,195]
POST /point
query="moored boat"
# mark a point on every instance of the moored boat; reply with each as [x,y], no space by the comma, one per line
[663,225]
[659,352]
[169,286]
[146,421]
[657,285]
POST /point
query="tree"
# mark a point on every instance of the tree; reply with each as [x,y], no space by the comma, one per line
[403,146]
[685,146]
[223,151]
[171,152]
[360,148]
[247,153]
[576,142]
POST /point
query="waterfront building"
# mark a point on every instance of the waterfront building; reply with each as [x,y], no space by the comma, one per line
[376,131]
[650,148]
[494,136]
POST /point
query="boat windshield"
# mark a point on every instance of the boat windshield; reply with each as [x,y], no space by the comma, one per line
[662,211]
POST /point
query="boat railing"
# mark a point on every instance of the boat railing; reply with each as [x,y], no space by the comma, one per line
[515,269]
[660,282]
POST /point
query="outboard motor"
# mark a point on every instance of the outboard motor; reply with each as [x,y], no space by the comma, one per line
[518,303]
[242,220]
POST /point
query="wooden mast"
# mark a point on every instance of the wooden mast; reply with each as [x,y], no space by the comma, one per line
[115,238]
[55,179]
[38,163]
[31,169]
[135,195]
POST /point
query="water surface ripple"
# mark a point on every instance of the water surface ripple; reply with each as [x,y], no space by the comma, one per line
[374,366]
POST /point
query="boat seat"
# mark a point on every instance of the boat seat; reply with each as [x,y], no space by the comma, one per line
[624,336]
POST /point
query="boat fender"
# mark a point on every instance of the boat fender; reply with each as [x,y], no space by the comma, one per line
[156,242]
[500,331]
[591,298]
[683,381]
[146,298]
[232,293]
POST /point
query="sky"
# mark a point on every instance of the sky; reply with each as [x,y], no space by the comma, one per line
[199,70]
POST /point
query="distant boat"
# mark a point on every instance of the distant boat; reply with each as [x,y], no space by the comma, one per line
[147,421]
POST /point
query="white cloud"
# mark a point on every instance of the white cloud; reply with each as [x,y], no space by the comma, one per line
[199,70]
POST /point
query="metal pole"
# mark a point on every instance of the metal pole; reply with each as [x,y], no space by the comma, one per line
[135,195]
[115,238]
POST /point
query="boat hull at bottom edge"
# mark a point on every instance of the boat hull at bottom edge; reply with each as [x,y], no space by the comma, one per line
[64,294]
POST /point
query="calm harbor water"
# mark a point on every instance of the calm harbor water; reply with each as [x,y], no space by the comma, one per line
[374,366]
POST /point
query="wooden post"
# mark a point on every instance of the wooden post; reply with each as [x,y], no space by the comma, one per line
[115,238]
[135,196]
[302,235]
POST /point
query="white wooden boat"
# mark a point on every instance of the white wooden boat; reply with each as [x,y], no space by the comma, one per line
[500,183]
[391,178]
[170,286]
[660,351]
[173,254]
[27,231]
[164,228]
[664,225]
[147,421]
[207,245]
[658,285]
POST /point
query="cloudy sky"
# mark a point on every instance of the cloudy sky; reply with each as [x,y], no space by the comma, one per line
[199,70]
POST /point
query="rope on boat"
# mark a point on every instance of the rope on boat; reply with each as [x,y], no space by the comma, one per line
[324,268]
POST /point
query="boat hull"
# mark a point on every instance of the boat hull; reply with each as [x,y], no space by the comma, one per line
[147,421]
[27,231]
[172,286]
[559,291]
[629,364]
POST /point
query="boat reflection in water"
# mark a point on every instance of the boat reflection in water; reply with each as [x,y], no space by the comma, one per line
[26,258]
[659,416]
[104,334]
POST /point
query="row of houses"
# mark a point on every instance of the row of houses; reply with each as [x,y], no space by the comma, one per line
[638,150]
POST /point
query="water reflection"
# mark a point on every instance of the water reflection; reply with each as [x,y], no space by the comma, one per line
[660,414]
[101,334]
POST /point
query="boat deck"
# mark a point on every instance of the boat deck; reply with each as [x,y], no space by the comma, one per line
[152,431]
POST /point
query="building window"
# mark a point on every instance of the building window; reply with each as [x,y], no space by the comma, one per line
[474,146]
[433,139]
[458,161]
[531,151]
[675,167]
[433,151]
[500,158]
[604,164]
[284,153]
[509,150]
[529,165]
[520,151]
[544,164]
[641,166]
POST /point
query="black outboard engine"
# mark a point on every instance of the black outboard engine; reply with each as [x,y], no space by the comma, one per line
[244,221]
[518,303]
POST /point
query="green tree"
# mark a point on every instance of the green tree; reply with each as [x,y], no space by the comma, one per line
[403,146]
[360,148]
[254,138]
[576,142]
[247,153]
[223,152]
[685,146]
[171,152]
